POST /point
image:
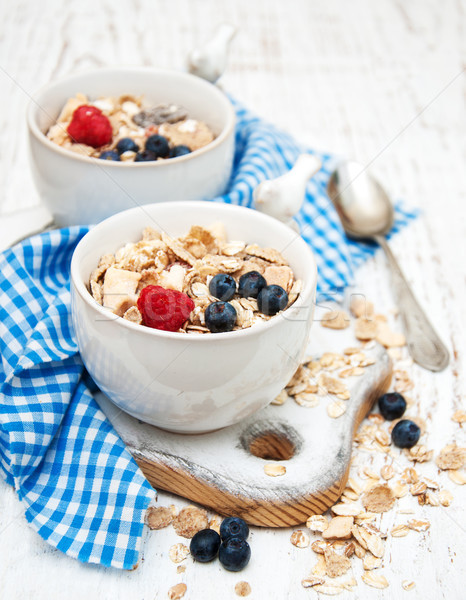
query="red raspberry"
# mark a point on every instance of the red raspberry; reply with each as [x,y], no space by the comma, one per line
[164,309]
[89,126]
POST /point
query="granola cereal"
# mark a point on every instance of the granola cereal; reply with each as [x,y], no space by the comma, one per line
[131,123]
[158,517]
[189,521]
[175,284]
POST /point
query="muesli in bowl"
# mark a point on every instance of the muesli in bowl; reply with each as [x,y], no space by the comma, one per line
[127,129]
[190,381]
[196,283]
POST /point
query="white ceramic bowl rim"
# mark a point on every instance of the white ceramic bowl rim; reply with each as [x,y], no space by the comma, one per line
[306,294]
[34,103]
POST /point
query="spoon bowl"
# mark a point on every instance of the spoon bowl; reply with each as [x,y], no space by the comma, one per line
[366,212]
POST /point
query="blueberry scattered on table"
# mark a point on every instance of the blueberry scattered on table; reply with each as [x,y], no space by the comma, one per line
[392,406]
[126,145]
[233,527]
[204,545]
[158,145]
[234,553]
[180,150]
[250,284]
[220,317]
[144,156]
[109,155]
[406,434]
[223,287]
[272,299]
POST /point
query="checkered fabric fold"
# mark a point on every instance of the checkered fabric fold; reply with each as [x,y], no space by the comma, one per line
[80,488]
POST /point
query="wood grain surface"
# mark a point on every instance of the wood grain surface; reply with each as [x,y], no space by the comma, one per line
[382,82]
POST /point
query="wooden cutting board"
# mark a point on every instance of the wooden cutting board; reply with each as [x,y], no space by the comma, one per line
[224,470]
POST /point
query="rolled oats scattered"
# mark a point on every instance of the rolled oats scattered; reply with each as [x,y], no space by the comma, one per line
[339,528]
[242,589]
[280,399]
[317,523]
[387,472]
[349,549]
[418,488]
[178,552]
[319,546]
[369,539]
[306,399]
[408,585]
[332,385]
[274,470]
[346,509]
[445,497]
[457,477]
[335,319]
[418,525]
[336,409]
[215,523]
[459,416]
[189,521]
[329,589]
[370,562]
[410,475]
[389,338]
[320,568]
[365,329]
[177,591]
[399,530]
[419,453]
[300,538]
[375,580]
[311,581]
[360,307]
[359,550]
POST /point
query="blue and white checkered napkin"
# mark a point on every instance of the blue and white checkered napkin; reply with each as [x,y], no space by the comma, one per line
[80,488]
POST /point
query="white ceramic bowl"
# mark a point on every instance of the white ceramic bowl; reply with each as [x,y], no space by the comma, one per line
[80,190]
[187,382]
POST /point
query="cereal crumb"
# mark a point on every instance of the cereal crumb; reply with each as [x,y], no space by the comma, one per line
[459,416]
[181,569]
[242,588]
[274,470]
[158,517]
[177,591]
[366,329]
[408,585]
[336,564]
[445,497]
[360,307]
[451,457]
[312,581]
[178,552]
[379,499]
[189,521]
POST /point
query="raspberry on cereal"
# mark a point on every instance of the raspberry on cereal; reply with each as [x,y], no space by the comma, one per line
[90,126]
[164,309]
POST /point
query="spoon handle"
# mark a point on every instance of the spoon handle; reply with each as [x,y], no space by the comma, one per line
[425,346]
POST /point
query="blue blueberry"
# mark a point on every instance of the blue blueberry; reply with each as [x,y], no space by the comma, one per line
[406,434]
[204,545]
[223,287]
[158,145]
[392,406]
[220,317]
[144,156]
[272,299]
[234,553]
[250,284]
[126,145]
[179,151]
[109,155]
[233,527]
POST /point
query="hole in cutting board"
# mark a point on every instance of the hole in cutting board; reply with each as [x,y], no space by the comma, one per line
[271,441]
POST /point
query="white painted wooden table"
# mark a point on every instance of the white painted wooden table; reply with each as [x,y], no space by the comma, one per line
[379,81]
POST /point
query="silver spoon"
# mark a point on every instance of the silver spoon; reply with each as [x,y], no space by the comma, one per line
[367,213]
